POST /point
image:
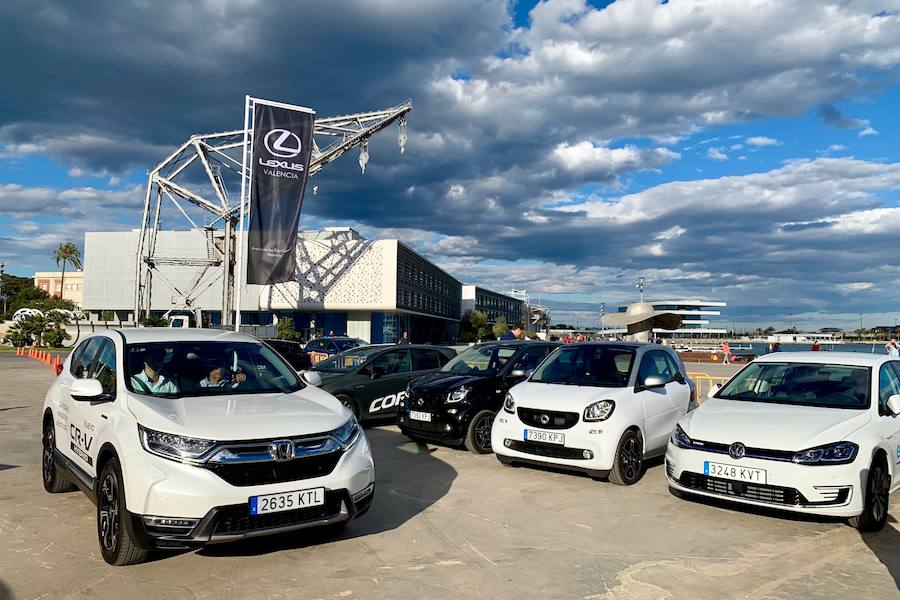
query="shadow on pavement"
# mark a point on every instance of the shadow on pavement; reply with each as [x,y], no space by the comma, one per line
[885,544]
[5,594]
[408,479]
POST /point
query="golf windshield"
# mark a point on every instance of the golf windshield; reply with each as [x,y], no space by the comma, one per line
[598,366]
[480,360]
[347,361]
[180,369]
[829,386]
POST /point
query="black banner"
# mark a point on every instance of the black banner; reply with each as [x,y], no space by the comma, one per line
[281,149]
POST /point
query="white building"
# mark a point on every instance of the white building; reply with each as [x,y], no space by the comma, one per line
[696,316]
[52,283]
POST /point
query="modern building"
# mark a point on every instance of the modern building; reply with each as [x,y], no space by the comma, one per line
[695,315]
[52,283]
[493,304]
[370,289]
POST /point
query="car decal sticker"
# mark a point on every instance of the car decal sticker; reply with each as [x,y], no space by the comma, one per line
[386,402]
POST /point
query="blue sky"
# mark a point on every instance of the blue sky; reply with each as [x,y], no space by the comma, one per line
[742,152]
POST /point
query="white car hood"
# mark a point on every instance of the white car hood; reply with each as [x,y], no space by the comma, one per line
[569,398]
[771,426]
[242,416]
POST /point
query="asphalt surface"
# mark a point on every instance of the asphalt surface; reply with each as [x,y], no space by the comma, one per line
[445,524]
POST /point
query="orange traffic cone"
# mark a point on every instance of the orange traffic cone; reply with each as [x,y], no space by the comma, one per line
[19,351]
[48,359]
[31,352]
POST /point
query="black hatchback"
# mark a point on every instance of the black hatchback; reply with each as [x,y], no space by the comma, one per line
[457,404]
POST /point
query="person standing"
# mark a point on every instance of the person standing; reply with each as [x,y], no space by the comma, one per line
[512,334]
[404,339]
[726,353]
[892,348]
[815,346]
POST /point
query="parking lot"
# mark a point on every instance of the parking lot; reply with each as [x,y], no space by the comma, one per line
[445,524]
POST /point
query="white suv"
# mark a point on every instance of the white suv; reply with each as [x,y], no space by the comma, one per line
[186,437]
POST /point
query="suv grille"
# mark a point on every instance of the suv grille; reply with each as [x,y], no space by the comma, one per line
[260,473]
[237,519]
[556,420]
[548,450]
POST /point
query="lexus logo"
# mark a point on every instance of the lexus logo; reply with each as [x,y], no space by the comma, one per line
[282,143]
[736,450]
[281,450]
[543,419]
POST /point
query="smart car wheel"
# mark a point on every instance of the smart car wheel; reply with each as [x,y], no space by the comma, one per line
[628,466]
[54,482]
[478,435]
[349,403]
[877,497]
[116,544]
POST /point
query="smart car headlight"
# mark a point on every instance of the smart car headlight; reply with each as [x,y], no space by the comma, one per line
[509,405]
[840,453]
[458,395]
[174,447]
[599,411]
[680,438]
[348,433]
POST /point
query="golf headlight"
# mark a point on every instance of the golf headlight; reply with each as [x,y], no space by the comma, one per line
[458,395]
[681,439]
[599,411]
[840,453]
[174,447]
[509,405]
[347,433]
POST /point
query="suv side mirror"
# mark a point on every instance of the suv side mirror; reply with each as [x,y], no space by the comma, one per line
[653,382]
[86,390]
[377,371]
[893,404]
[713,390]
[312,378]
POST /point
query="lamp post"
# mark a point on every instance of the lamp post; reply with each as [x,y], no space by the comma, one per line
[2,295]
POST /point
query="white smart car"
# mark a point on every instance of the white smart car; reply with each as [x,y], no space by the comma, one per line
[600,408]
[184,437]
[810,432]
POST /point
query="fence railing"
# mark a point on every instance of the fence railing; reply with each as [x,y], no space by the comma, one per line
[704,382]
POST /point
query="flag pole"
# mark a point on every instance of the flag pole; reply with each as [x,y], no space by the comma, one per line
[239,276]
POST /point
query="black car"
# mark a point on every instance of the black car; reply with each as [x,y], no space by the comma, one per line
[371,380]
[457,405]
[292,352]
[320,349]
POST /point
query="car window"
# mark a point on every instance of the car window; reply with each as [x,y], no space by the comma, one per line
[83,356]
[587,365]
[801,384]
[443,358]
[395,361]
[888,385]
[103,367]
[426,359]
[673,365]
[531,358]
[655,364]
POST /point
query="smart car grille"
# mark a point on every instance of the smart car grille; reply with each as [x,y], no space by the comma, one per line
[422,400]
[739,489]
[237,519]
[261,473]
[548,450]
[554,419]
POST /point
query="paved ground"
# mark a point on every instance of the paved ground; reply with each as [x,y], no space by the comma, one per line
[445,524]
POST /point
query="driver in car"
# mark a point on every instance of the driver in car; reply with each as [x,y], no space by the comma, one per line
[220,374]
[150,380]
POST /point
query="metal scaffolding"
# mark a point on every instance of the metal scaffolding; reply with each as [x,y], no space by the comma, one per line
[201,177]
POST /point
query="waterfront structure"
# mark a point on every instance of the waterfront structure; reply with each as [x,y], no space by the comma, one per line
[493,304]
[695,314]
[52,283]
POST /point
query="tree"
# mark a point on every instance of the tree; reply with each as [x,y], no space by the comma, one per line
[151,321]
[285,329]
[34,297]
[473,326]
[66,253]
[40,330]
[500,327]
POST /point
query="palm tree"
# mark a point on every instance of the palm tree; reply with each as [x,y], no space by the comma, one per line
[67,252]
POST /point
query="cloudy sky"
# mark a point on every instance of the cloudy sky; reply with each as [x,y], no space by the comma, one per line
[737,151]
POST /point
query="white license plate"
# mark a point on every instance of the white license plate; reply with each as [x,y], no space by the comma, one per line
[723,471]
[260,505]
[420,416]
[533,435]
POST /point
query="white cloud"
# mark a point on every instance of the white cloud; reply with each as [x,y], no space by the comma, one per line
[716,154]
[586,158]
[761,140]
[852,288]
[836,147]
[867,131]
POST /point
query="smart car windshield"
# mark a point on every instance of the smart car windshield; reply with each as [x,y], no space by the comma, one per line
[180,369]
[598,366]
[347,361]
[480,360]
[829,386]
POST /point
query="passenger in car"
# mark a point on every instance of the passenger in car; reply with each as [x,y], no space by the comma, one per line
[150,380]
[221,375]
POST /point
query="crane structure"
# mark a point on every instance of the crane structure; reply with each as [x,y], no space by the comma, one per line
[200,180]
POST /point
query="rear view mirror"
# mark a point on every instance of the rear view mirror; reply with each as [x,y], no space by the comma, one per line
[713,390]
[86,390]
[653,382]
[893,404]
[312,378]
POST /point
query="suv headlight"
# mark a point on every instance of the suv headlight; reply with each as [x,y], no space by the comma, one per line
[599,411]
[840,453]
[348,433]
[509,405]
[458,395]
[680,438]
[174,447]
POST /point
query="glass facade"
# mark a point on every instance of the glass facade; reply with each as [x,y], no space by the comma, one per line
[496,305]
[424,288]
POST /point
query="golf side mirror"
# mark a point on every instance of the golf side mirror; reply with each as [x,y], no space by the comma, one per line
[893,404]
[713,390]
[312,378]
[86,390]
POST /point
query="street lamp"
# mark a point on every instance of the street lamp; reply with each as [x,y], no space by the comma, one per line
[2,295]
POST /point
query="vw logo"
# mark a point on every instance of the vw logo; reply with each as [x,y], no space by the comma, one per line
[736,450]
[281,450]
[282,143]
[543,419]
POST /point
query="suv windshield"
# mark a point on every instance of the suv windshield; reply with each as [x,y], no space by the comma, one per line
[178,369]
[347,361]
[600,366]
[829,386]
[480,360]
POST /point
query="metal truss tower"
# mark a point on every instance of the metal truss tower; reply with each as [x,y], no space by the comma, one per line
[200,180]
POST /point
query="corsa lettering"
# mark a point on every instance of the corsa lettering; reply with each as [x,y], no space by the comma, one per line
[386,402]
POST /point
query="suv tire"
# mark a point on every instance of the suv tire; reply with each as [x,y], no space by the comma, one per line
[116,544]
[628,466]
[478,434]
[876,498]
[54,481]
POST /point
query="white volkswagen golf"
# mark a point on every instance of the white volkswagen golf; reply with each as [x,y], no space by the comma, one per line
[809,432]
[599,408]
[184,437]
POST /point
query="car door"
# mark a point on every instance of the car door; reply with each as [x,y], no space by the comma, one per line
[680,390]
[392,372]
[889,423]
[65,408]
[660,403]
